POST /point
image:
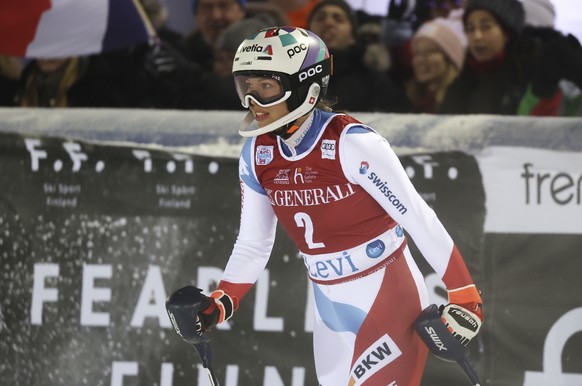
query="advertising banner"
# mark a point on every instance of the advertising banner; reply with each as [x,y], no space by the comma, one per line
[95,236]
[533,263]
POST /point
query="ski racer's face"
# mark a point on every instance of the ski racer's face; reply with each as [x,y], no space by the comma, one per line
[267,115]
[428,61]
[265,89]
[333,26]
[485,36]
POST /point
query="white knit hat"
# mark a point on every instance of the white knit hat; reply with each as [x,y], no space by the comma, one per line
[449,35]
[539,13]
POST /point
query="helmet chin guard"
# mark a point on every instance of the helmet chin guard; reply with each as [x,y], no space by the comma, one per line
[250,127]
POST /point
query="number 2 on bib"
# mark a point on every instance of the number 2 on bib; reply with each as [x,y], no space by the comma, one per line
[304,221]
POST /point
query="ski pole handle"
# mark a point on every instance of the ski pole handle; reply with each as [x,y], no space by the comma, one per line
[441,342]
[183,307]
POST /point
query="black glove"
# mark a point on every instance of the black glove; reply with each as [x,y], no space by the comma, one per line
[192,313]
[161,59]
[220,308]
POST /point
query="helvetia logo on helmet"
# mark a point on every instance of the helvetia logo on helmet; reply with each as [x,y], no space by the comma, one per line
[257,48]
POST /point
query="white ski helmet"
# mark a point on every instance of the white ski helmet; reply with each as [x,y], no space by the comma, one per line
[296,59]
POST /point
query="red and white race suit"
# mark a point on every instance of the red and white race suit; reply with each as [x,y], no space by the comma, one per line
[344,198]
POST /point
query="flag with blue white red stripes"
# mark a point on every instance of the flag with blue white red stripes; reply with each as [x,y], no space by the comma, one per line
[62,28]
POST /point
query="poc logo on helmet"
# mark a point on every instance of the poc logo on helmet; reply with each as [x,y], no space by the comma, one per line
[296,49]
[310,72]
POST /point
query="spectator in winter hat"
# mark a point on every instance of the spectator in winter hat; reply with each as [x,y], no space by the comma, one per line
[504,70]
[509,14]
[448,35]
[438,53]
[491,24]
[335,23]
[498,67]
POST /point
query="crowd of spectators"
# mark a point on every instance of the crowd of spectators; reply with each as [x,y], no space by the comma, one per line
[425,56]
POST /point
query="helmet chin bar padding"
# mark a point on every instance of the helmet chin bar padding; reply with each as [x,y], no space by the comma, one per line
[252,129]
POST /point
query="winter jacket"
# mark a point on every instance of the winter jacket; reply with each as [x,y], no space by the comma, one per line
[492,87]
[93,86]
[357,87]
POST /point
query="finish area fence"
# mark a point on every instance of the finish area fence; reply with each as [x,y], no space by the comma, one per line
[104,213]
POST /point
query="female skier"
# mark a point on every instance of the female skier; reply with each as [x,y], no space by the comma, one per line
[343,197]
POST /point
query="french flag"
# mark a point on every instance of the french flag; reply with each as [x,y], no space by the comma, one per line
[62,28]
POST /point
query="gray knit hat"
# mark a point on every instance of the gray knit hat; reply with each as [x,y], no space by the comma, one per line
[509,13]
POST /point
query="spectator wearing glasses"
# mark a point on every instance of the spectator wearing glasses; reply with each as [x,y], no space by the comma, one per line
[438,53]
